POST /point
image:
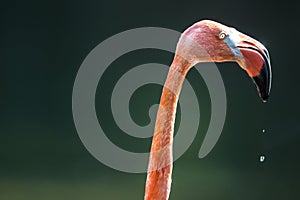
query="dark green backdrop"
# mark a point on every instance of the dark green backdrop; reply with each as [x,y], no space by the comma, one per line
[42,45]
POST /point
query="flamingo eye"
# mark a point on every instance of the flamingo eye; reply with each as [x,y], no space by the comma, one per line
[222,35]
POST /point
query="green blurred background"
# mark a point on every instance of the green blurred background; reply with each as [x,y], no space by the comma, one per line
[42,45]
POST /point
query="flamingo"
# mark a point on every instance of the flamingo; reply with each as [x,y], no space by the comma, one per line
[204,41]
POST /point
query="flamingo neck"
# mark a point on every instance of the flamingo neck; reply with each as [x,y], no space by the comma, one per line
[160,165]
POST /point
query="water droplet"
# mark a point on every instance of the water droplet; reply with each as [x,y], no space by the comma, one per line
[262,158]
[264,130]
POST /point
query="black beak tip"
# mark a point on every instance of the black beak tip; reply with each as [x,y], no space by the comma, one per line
[263,83]
[264,97]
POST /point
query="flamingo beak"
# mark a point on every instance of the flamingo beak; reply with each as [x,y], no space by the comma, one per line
[255,59]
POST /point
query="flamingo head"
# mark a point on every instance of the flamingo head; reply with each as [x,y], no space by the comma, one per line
[209,41]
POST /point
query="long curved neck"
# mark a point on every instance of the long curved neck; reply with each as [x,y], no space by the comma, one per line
[160,164]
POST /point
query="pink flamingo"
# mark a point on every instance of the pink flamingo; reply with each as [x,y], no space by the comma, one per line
[220,44]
